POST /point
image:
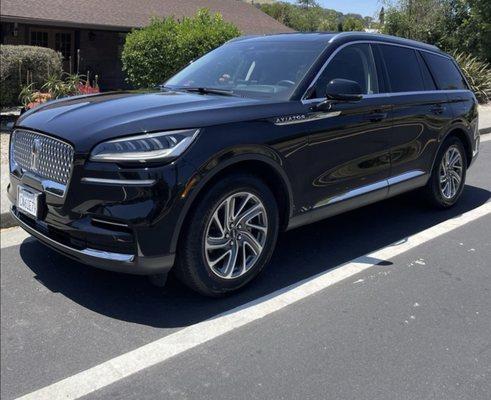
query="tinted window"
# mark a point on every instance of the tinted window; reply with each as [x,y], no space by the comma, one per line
[428,79]
[403,69]
[251,68]
[354,62]
[446,74]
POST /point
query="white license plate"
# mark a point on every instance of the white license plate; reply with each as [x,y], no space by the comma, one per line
[28,201]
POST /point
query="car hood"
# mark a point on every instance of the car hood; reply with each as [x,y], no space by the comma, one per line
[87,120]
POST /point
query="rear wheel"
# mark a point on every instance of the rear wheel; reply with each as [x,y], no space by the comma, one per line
[230,237]
[448,176]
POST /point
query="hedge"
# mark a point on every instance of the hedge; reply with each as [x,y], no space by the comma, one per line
[19,64]
[153,54]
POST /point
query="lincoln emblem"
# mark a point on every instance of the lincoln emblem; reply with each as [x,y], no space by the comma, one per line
[36,147]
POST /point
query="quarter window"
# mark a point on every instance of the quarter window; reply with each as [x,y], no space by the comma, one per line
[402,68]
[428,79]
[355,63]
[446,74]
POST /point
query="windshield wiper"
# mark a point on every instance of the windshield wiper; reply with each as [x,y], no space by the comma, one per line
[163,88]
[204,90]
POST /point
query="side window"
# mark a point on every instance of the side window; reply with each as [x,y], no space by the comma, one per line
[354,62]
[402,68]
[428,79]
[446,74]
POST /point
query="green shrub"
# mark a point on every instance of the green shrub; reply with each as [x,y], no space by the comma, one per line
[153,54]
[21,65]
[478,74]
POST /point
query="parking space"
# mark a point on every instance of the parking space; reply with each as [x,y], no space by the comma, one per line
[416,328]
[60,318]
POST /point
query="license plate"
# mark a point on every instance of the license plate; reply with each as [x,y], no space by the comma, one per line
[28,201]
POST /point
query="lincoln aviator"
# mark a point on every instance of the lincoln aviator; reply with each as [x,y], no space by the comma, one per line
[261,135]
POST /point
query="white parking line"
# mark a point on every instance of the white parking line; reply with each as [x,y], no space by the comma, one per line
[486,137]
[120,367]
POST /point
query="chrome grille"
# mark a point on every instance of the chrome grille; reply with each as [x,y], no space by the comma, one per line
[42,155]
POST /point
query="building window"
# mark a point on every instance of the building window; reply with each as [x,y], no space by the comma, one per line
[63,44]
[39,38]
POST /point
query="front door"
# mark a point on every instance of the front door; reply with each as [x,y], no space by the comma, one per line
[349,143]
[63,43]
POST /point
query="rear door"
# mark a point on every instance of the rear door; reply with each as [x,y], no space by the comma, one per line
[449,78]
[420,115]
[349,143]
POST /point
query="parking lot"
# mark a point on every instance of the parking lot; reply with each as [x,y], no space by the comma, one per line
[392,301]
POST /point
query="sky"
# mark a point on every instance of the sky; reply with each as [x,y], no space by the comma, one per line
[368,8]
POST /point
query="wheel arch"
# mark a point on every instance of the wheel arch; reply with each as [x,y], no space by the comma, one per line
[460,131]
[260,165]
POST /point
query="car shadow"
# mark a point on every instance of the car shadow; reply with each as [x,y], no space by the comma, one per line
[300,254]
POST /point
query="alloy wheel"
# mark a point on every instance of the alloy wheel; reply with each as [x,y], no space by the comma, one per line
[451,170]
[235,235]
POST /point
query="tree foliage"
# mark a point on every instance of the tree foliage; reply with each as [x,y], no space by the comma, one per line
[308,16]
[453,25]
[154,53]
[478,75]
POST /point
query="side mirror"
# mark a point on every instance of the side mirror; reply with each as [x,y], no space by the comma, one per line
[343,90]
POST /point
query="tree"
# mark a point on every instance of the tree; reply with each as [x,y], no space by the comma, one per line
[353,24]
[381,16]
[308,16]
[328,23]
[368,21]
[154,53]
[453,25]
[308,3]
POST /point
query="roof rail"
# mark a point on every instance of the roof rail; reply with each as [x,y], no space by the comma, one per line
[393,39]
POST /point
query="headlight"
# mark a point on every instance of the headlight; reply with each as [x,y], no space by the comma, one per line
[12,162]
[147,147]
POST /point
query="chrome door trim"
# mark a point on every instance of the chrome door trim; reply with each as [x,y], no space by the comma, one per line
[404,177]
[362,190]
[353,193]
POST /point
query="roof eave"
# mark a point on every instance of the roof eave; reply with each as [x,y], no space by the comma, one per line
[65,24]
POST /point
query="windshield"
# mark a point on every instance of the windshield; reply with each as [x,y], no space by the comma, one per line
[250,68]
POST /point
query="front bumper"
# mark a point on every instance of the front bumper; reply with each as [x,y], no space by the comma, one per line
[111,217]
[118,262]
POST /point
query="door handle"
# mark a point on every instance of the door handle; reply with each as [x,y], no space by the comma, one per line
[438,109]
[377,116]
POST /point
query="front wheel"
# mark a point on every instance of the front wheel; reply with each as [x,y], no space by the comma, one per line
[448,176]
[230,236]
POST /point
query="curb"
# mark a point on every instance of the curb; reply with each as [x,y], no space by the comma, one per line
[7,221]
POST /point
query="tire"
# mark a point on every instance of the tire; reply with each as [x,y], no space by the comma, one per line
[196,253]
[433,190]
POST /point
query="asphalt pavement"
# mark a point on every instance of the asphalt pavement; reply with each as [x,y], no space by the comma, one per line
[413,326]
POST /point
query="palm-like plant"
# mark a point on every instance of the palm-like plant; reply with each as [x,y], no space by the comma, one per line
[478,74]
[27,94]
[56,86]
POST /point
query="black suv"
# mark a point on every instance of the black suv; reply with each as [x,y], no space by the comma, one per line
[260,135]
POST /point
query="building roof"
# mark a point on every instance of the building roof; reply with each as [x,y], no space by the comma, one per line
[126,14]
